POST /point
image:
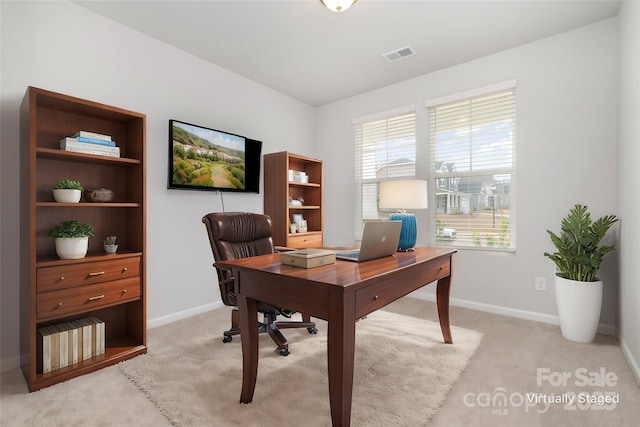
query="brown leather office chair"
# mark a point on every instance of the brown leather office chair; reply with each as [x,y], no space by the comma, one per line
[236,235]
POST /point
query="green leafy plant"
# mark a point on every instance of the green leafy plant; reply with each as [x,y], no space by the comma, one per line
[68,184]
[71,228]
[109,240]
[579,253]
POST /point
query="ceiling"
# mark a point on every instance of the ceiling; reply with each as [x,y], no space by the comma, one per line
[301,49]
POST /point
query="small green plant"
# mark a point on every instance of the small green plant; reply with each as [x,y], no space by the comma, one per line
[71,228]
[109,240]
[579,255]
[68,184]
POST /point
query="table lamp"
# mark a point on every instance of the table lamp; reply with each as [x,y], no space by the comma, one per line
[402,195]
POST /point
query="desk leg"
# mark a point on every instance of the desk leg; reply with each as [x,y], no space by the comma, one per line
[340,352]
[247,309]
[442,297]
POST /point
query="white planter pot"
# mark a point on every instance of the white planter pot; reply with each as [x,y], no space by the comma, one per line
[579,305]
[71,248]
[65,195]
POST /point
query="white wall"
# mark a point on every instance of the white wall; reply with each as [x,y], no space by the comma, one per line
[566,154]
[628,178]
[63,47]
[567,131]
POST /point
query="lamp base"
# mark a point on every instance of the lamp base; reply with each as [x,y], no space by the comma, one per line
[409,232]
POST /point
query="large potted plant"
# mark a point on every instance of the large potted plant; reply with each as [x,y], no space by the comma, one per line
[71,239]
[578,257]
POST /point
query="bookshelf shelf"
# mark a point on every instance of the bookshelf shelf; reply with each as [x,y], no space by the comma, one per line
[278,188]
[109,287]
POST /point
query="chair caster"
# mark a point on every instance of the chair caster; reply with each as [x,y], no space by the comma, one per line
[284,352]
[227,338]
[312,330]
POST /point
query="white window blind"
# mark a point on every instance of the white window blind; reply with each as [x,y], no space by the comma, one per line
[472,144]
[385,148]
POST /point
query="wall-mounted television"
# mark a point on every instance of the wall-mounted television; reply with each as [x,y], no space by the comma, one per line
[201,158]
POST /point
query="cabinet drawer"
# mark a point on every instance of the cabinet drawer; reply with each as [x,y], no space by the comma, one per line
[373,297]
[86,298]
[68,276]
[305,241]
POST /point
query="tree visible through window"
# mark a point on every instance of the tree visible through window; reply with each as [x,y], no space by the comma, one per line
[472,148]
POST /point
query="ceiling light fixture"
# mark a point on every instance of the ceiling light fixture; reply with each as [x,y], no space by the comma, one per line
[338,5]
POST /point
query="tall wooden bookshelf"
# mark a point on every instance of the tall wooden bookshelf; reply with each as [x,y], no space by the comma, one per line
[282,188]
[111,287]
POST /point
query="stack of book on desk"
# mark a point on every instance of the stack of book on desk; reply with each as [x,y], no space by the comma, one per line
[64,344]
[90,143]
[308,258]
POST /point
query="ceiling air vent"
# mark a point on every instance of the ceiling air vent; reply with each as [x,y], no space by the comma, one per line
[397,54]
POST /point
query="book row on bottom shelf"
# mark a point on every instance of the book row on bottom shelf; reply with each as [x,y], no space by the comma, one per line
[64,344]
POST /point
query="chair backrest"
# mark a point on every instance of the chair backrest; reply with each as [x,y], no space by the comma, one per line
[234,235]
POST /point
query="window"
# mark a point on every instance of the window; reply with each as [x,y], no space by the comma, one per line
[385,149]
[472,144]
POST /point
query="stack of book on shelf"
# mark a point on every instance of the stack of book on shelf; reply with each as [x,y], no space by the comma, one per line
[90,143]
[64,344]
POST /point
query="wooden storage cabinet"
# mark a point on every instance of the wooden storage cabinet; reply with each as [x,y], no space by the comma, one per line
[111,287]
[279,189]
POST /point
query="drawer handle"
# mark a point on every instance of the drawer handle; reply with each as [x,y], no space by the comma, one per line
[61,278]
[124,269]
[96,298]
[124,291]
[375,297]
[97,273]
[59,304]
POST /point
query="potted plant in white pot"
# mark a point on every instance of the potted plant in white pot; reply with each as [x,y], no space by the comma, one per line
[71,239]
[67,191]
[578,258]
[109,244]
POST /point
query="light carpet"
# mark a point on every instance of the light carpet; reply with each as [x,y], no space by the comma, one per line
[403,372]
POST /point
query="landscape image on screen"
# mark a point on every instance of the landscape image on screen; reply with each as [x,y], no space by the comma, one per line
[207,158]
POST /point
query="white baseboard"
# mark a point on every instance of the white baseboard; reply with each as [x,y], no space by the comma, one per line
[633,363]
[173,317]
[511,312]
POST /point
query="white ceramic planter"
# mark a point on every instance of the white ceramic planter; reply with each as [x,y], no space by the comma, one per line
[579,305]
[71,247]
[65,195]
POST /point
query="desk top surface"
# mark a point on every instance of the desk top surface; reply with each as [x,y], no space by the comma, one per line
[342,273]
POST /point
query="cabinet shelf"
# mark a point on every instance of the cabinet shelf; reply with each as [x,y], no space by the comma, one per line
[111,356]
[303,207]
[279,190]
[69,156]
[88,205]
[54,290]
[304,184]
[53,260]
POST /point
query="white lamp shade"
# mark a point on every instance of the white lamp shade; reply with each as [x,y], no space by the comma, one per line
[403,194]
[338,5]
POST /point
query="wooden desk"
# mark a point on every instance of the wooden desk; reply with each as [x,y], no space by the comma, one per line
[341,294]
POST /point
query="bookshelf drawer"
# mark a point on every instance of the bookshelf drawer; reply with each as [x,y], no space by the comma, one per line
[303,241]
[67,276]
[60,303]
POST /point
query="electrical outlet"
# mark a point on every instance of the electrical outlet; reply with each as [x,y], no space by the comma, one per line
[541,284]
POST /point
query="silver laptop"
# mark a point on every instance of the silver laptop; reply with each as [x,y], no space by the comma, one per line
[379,239]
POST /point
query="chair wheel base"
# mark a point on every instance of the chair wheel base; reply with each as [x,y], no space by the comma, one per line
[284,351]
[312,330]
[227,338]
